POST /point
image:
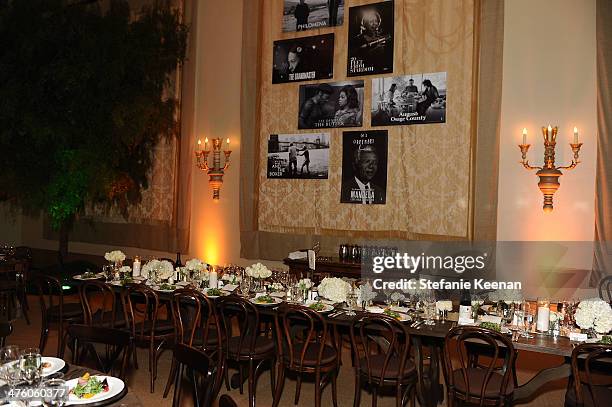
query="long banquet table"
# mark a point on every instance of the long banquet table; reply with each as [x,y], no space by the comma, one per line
[428,341]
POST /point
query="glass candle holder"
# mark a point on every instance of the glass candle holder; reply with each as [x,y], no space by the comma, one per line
[543,315]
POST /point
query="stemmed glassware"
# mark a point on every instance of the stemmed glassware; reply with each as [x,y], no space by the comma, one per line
[31,365]
[10,369]
[525,320]
[429,300]
[351,300]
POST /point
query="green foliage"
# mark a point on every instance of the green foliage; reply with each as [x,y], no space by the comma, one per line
[82,101]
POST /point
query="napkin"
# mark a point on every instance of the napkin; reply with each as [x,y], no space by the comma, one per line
[298,255]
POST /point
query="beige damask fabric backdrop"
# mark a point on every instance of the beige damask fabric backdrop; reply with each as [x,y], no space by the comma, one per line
[434,170]
[428,187]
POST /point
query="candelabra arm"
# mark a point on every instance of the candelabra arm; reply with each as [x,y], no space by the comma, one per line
[575,161]
[524,148]
[202,160]
[227,159]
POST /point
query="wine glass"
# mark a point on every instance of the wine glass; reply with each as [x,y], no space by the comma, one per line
[525,322]
[351,301]
[245,286]
[30,365]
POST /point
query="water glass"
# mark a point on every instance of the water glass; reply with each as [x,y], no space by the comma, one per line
[31,365]
[351,301]
[55,397]
[245,286]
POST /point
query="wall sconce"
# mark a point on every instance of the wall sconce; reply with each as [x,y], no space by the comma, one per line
[549,173]
[217,171]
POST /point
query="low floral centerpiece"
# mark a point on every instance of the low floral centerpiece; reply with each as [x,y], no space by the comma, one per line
[116,257]
[258,271]
[195,269]
[158,270]
[334,289]
[594,314]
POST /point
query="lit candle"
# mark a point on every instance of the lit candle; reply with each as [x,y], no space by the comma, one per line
[549,129]
[524,136]
[212,280]
[206,144]
[136,267]
[575,135]
[227,141]
[199,144]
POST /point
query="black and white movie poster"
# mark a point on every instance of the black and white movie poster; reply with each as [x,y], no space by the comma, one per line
[300,15]
[298,155]
[303,59]
[364,167]
[410,99]
[327,105]
[370,47]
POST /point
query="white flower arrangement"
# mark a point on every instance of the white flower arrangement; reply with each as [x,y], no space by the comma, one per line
[594,313]
[554,316]
[396,297]
[509,296]
[444,305]
[304,284]
[277,287]
[231,278]
[196,265]
[125,269]
[116,256]
[258,270]
[334,289]
[366,293]
[163,268]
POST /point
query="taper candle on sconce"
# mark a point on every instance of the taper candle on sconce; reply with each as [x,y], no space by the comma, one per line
[216,171]
[549,173]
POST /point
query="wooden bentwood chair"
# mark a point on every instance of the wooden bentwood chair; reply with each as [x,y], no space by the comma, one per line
[485,383]
[55,310]
[305,346]
[246,345]
[591,382]
[381,349]
[202,370]
[605,289]
[195,325]
[141,305]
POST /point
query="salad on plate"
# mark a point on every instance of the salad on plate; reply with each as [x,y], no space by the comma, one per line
[89,386]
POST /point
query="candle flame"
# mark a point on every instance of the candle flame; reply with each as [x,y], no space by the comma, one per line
[575,130]
[524,131]
[549,128]
[199,141]
[227,141]
[206,140]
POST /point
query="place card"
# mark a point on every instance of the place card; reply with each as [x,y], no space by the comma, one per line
[577,337]
[230,287]
[466,321]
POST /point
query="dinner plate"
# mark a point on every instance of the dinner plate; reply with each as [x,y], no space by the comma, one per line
[402,317]
[115,387]
[326,308]
[223,293]
[157,288]
[265,304]
[97,276]
[54,365]
[278,294]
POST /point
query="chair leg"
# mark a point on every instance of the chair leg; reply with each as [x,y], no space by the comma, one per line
[357,397]
[374,396]
[318,388]
[252,381]
[171,378]
[227,378]
[298,387]
[279,386]
[152,366]
[176,398]
[135,355]
[273,375]
[334,388]
[398,396]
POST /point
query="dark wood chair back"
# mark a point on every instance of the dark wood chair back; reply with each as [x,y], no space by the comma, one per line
[141,306]
[591,383]
[239,322]
[383,344]
[100,305]
[195,322]
[605,289]
[6,328]
[202,370]
[50,294]
[85,338]
[489,381]
[302,337]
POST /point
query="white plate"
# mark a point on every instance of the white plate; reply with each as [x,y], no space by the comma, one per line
[263,304]
[278,294]
[223,293]
[96,277]
[115,386]
[375,309]
[57,364]
[403,317]
[326,308]
[156,288]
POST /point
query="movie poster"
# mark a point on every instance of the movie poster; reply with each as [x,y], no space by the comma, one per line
[303,59]
[370,47]
[364,167]
[300,15]
[303,156]
[410,99]
[327,105]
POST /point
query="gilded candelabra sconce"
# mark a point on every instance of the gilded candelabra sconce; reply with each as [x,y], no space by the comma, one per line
[549,173]
[216,171]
